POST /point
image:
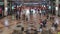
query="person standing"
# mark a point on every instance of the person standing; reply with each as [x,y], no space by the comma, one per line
[17,15]
[40,12]
[56,23]
[0,12]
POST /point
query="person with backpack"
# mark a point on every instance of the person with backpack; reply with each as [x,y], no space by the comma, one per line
[44,23]
[55,25]
[56,22]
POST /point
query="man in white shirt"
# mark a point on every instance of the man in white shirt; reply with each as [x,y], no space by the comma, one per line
[56,20]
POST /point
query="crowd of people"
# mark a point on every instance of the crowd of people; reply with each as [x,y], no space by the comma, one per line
[42,24]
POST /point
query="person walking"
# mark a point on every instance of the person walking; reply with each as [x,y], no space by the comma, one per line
[17,15]
[44,23]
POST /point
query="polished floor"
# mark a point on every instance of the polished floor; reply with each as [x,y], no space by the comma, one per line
[13,23]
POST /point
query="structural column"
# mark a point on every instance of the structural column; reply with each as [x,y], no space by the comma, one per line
[57,7]
[5,8]
[57,11]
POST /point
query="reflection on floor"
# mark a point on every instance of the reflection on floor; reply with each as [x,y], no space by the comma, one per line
[14,29]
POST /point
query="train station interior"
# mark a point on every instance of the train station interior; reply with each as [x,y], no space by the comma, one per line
[29,16]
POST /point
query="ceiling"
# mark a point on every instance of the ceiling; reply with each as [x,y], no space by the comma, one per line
[26,0]
[35,2]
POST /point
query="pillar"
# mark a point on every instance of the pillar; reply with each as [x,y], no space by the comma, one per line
[5,8]
[57,5]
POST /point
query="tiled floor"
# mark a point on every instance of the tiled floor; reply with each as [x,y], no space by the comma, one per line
[25,23]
